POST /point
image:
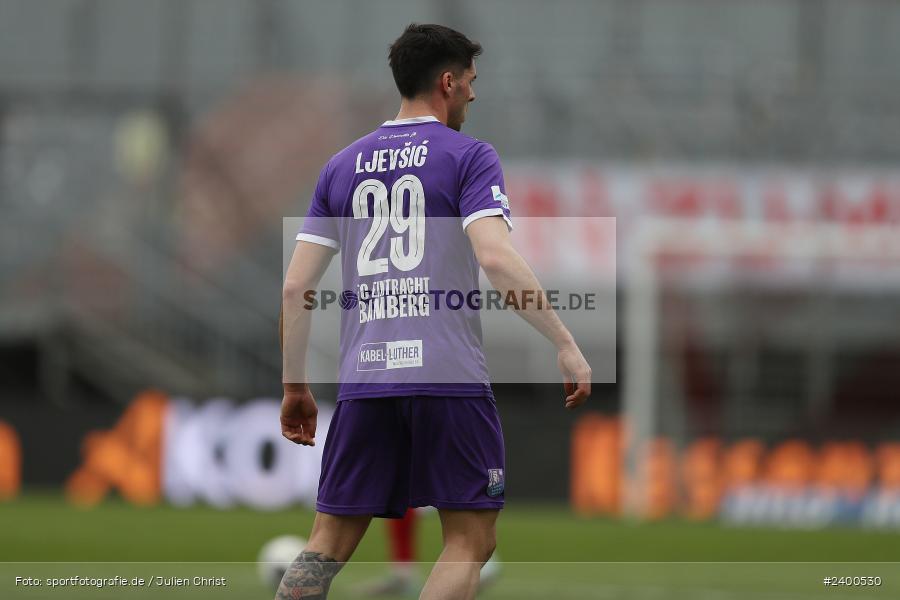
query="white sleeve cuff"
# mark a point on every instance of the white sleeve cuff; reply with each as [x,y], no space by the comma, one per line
[487,212]
[318,239]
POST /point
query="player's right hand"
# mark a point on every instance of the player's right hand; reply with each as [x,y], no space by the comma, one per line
[298,416]
[576,374]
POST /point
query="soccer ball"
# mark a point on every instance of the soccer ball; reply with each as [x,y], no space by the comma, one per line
[490,571]
[276,556]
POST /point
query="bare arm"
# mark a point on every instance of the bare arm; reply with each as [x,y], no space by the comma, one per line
[298,409]
[508,271]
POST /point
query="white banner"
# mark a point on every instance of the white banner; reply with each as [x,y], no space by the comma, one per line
[224,454]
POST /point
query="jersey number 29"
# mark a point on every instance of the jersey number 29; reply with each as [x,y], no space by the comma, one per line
[385,212]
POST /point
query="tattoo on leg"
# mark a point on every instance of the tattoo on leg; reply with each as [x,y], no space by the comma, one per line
[308,577]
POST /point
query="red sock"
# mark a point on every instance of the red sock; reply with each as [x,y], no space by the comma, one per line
[402,534]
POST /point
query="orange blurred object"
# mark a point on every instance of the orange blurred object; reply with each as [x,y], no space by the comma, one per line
[596,465]
[846,467]
[742,463]
[790,465]
[694,482]
[888,465]
[10,462]
[126,458]
[659,474]
[701,474]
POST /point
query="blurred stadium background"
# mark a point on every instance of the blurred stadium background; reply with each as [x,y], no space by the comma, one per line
[149,150]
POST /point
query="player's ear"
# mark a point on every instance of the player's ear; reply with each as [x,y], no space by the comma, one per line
[447,82]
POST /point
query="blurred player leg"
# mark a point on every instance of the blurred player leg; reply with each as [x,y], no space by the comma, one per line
[469,540]
[402,535]
[402,548]
[331,543]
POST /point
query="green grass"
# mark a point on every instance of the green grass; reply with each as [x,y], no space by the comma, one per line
[547,553]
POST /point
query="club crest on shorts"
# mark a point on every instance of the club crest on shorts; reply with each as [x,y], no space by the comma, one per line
[495,482]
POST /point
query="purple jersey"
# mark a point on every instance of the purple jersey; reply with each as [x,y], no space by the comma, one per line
[396,204]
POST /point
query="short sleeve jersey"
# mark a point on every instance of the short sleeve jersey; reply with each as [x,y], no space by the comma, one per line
[396,204]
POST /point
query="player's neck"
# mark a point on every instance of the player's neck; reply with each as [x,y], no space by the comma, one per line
[410,109]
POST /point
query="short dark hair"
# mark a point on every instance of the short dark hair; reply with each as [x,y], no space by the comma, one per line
[423,51]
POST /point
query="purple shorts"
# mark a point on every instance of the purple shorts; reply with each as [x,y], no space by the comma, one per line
[383,455]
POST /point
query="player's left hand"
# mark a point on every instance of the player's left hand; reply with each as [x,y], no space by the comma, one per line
[576,375]
[298,416]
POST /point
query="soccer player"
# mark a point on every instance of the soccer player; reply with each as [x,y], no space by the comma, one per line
[416,423]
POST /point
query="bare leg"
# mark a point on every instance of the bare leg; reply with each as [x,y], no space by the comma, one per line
[469,540]
[331,543]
